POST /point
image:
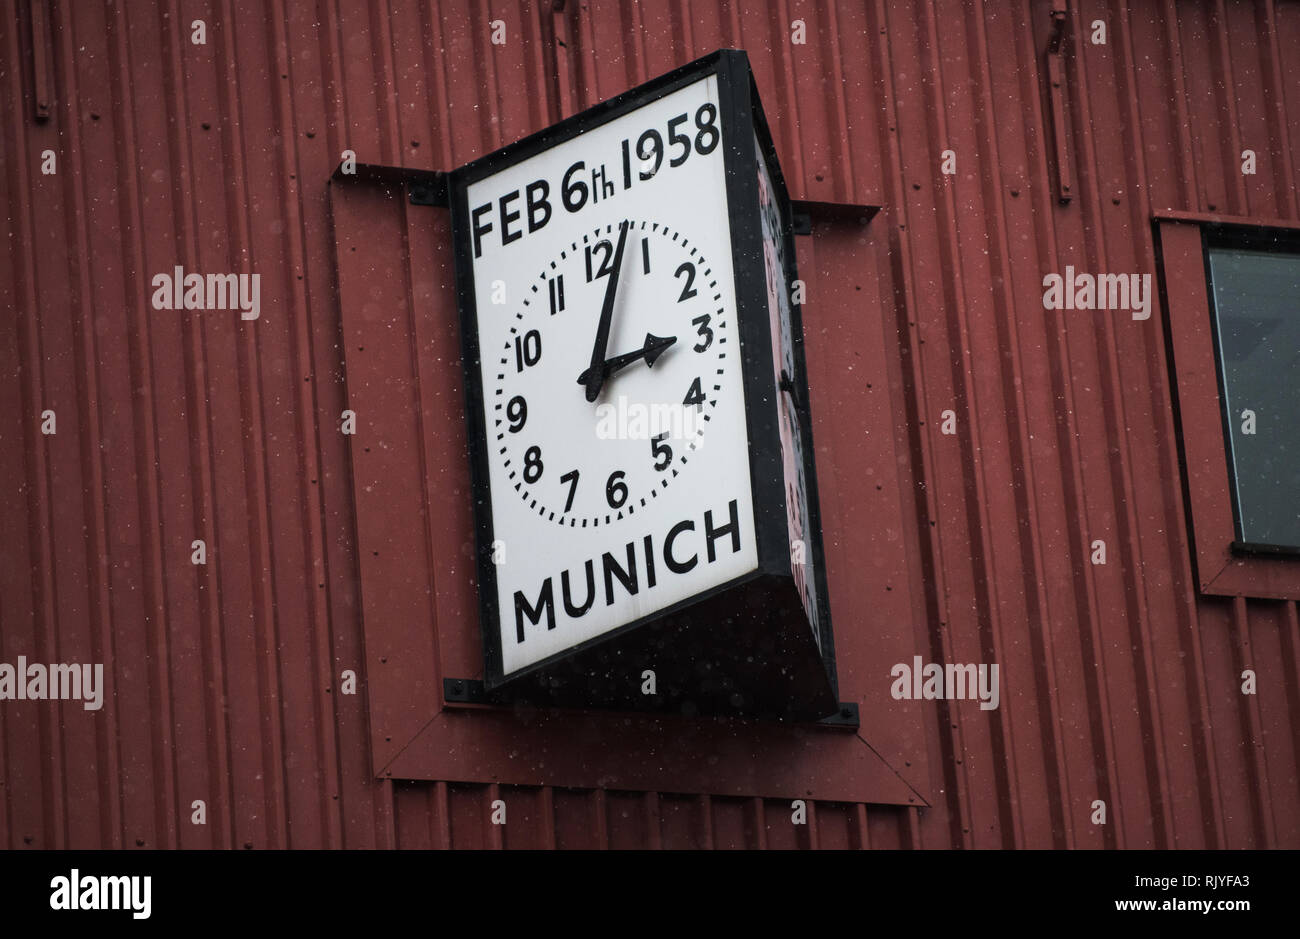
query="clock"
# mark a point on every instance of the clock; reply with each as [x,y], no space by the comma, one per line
[637,410]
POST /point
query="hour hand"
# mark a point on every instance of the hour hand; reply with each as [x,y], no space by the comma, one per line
[653,348]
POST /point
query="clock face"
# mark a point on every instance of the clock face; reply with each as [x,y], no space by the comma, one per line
[582,464]
[605,370]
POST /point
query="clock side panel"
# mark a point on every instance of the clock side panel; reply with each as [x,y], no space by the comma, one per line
[475,451]
[777,393]
[803,508]
[765,463]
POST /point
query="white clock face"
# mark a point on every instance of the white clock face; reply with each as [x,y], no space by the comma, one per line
[669,335]
[610,375]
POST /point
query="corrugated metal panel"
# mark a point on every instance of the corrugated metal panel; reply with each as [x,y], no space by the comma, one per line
[173,427]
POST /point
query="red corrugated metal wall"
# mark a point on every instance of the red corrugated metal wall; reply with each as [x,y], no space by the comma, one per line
[171,427]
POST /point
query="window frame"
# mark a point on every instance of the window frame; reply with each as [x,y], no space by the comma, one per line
[1225,566]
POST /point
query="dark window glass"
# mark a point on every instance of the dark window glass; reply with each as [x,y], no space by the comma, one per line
[1256,298]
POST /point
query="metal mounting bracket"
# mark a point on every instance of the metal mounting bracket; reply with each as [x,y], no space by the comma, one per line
[1057,98]
[466,691]
[804,211]
[847,716]
[429,191]
[424,187]
[473,691]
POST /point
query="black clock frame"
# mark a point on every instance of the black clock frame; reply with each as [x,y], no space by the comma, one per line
[673,638]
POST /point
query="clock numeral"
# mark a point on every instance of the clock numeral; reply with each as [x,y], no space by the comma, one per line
[528,349]
[657,148]
[682,140]
[616,490]
[650,145]
[517,412]
[645,255]
[571,478]
[707,128]
[688,290]
[573,192]
[533,465]
[695,395]
[662,453]
[706,334]
[557,294]
[606,265]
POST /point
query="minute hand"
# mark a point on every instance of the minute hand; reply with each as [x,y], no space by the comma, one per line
[595,374]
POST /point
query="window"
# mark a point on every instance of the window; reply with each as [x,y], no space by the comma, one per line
[1232,297]
[1255,292]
